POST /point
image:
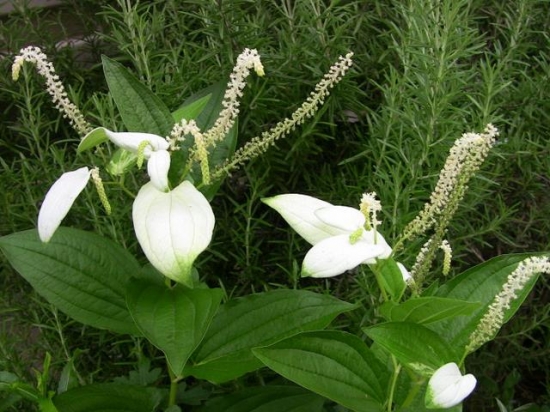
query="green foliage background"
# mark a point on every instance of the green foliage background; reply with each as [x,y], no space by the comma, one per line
[425,72]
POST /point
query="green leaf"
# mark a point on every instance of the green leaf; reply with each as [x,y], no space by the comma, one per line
[426,310]
[108,397]
[480,284]
[81,273]
[412,344]
[140,109]
[174,320]
[191,109]
[391,278]
[336,365]
[92,139]
[259,320]
[267,399]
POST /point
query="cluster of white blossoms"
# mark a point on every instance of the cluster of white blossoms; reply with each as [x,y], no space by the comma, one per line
[54,86]
[493,319]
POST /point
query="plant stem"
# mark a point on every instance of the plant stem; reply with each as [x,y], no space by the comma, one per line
[173,387]
[396,370]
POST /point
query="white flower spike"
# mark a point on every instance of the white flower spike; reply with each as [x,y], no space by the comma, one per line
[447,387]
[337,233]
[59,200]
[173,228]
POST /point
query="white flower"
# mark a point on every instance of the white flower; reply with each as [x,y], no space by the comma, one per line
[173,228]
[154,148]
[447,387]
[155,151]
[337,233]
[59,200]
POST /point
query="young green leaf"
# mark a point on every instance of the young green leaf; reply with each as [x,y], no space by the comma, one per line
[81,273]
[412,344]
[259,320]
[333,364]
[267,399]
[191,108]
[140,109]
[391,278]
[174,320]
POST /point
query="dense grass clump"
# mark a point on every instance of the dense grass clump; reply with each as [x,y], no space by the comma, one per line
[425,72]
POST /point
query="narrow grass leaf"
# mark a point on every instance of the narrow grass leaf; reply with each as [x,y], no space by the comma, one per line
[81,273]
[336,365]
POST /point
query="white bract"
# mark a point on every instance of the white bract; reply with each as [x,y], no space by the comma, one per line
[59,200]
[447,387]
[155,150]
[66,189]
[337,233]
[173,228]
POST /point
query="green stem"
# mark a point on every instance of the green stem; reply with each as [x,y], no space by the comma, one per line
[396,370]
[173,387]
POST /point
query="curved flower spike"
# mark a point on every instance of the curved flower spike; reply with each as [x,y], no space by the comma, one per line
[447,387]
[59,200]
[173,228]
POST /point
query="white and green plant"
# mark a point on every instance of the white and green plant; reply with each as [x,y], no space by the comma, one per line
[412,359]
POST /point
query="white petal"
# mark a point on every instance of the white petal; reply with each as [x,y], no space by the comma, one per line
[157,168]
[173,228]
[131,141]
[342,217]
[335,255]
[299,212]
[368,236]
[404,272]
[447,387]
[59,200]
